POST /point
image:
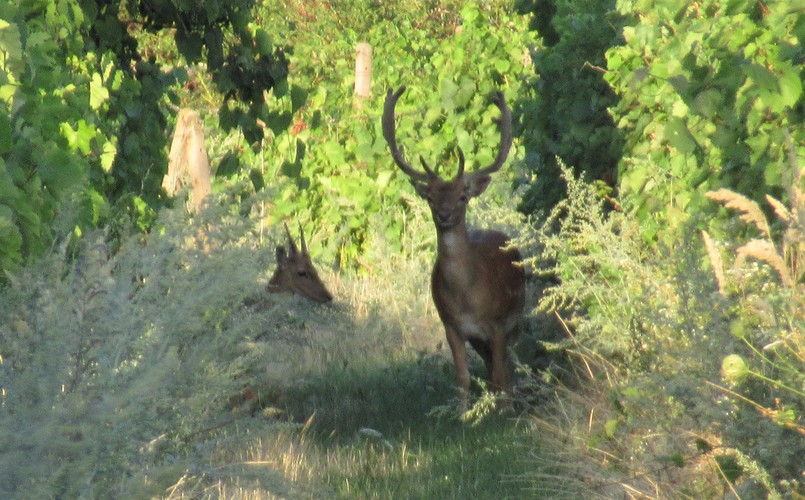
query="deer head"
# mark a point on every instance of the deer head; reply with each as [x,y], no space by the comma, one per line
[477,283]
[447,199]
[295,272]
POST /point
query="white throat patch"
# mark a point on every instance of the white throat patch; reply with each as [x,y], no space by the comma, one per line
[449,241]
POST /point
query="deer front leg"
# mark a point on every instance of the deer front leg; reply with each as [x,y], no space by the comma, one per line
[459,349]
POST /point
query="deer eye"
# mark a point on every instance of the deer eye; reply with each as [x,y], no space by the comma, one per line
[463,198]
[302,274]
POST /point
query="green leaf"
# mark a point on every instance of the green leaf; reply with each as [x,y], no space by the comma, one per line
[469,13]
[707,103]
[761,76]
[8,191]
[59,170]
[79,138]
[448,91]
[291,169]
[679,137]
[95,205]
[465,92]
[502,65]
[258,182]
[263,42]
[383,178]
[10,41]
[108,156]
[733,368]
[611,427]
[676,459]
[10,239]
[98,94]
[729,467]
[790,87]
[278,122]
[5,133]
[229,165]
[189,44]
[214,41]
[298,98]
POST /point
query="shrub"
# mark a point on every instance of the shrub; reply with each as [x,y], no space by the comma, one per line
[565,106]
[708,91]
[116,368]
[657,339]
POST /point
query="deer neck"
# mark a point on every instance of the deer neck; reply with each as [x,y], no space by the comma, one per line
[454,255]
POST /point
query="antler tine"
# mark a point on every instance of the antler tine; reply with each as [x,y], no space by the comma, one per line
[291,243]
[460,163]
[302,238]
[505,136]
[389,133]
[426,167]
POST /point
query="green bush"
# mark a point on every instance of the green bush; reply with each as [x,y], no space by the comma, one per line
[681,349]
[116,368]
[84,111]
[565,111]
[708,92]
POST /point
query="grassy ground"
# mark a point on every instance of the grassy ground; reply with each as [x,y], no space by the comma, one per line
[176,389]
[366,409]
[370,433]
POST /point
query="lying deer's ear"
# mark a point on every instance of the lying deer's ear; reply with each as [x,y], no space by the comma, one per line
[477,184]
[281,256]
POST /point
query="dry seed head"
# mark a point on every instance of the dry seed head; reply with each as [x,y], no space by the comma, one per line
[750,211]
[715,261]
[765,251]
[780,209]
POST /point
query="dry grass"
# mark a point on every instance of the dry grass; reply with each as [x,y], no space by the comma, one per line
[749,211]
[625,450]
[785,259]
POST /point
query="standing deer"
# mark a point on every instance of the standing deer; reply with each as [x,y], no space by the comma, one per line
[295,272]
[477,283]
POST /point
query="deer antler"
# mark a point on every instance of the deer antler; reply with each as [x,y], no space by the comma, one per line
[390,134]
[505,137]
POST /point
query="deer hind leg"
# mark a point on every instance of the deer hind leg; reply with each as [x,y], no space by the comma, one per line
[483,349]
[459,350]
[501,372]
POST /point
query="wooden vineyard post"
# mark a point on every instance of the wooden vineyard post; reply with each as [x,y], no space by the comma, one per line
[188,156]
[363,72]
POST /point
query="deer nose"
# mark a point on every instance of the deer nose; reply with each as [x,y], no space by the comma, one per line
[442,216]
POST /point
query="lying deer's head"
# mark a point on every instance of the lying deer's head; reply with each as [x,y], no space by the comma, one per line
[447,199]
[295,272]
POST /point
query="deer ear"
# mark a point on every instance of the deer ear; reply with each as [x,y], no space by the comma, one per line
[478,184]
[281,256]
[421,189]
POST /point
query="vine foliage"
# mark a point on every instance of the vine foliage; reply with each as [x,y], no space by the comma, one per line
[708,91]
[83,135]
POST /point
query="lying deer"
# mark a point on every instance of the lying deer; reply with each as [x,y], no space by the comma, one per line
[477,283]
[295,273]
